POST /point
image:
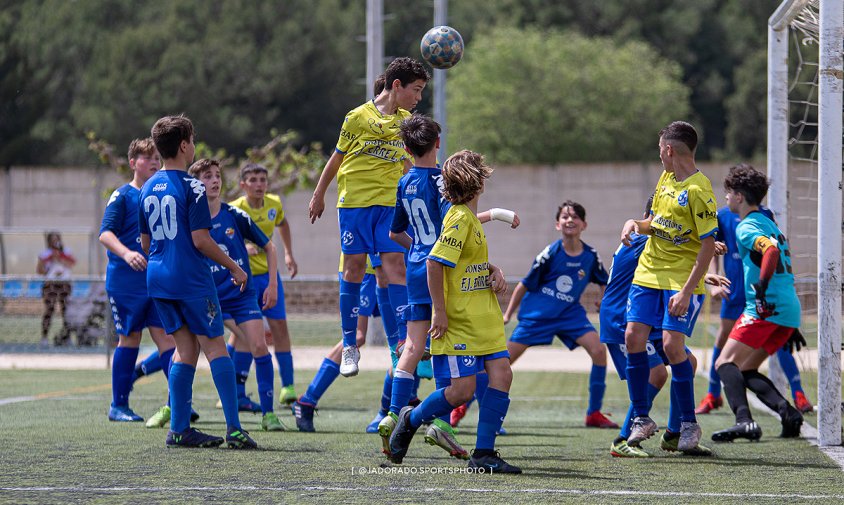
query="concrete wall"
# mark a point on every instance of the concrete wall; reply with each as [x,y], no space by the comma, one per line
[72,199]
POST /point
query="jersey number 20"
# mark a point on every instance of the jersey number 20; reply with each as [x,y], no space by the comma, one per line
[165,209]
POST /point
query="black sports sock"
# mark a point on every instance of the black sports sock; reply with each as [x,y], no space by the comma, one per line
[734,388]
[765,390]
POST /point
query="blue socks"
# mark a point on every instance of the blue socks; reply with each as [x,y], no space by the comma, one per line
[151,363]
[481,385]
[230,350]
[388,315]
[627,427]
[285,366]
[434,406]
[349,305]
[638,372]
[682,376]
[222,370]
[264,376]
[386,393]
[490,418]
[402,388]
[597,386]
[789,368]
[674,410]
[165,362]
[714,378]
[328,371]
[442,383]
[122,370]
[242,364]
[181,392]
[398,299]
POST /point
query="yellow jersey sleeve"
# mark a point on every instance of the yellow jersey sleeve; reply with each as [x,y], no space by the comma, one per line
[266,217]
[373,157]
[475,323]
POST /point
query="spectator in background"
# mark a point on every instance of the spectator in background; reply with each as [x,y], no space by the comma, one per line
[54,263]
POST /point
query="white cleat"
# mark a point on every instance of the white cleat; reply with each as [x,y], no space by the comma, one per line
[349,361]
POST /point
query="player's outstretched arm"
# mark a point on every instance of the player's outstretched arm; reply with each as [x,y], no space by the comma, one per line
[134,259]
[403,239]
[642,227]
[515,301]
[202,240]
[678,304]
[439,319]
[287,242]
[317,204]
[270,296]
[497,214]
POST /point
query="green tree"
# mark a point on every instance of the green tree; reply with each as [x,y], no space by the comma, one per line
[543,96]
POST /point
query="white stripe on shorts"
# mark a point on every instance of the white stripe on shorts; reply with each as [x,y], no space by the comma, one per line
[453,369]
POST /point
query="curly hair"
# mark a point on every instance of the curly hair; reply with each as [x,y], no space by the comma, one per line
[749,182]
[202,165]
[406,70]
[464,173]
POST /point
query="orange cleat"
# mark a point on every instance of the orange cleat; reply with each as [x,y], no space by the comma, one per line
[457,414]
[598,420]
[709,403]
[802,403]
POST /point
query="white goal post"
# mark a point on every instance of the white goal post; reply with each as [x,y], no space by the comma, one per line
[818,26]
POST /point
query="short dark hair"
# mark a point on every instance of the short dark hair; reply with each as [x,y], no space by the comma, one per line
[141,146]
[680,131]
[419,134]
[748,181]
[252,168]
[378,86]
[406,70]
[578,209]
[202,165]
[169,132]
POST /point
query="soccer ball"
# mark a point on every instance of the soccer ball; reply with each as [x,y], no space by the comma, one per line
[442,47]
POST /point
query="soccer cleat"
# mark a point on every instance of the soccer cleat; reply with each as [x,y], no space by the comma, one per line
[745,429]
[401,436]
[160,418]
[709,403]
[271,422]
[194,415]
[492,464]
[802,403]
[238,438]
[372,427]
[669,442]
[791,420]
[385,429]
[349,361]
[426,354]
[425,370]
[643,428]
[598,420]
[246,404]
[458,414]
[622,449]
[689,436]
[287,395]
[501,432]
[304,414]
[192,437]
[123,415]
[442,434]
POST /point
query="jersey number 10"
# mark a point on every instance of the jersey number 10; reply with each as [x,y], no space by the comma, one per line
[165,209]
[421,221]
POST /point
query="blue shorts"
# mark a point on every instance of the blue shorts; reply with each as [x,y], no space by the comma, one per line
[133,312]
[418,312]
[656,356]
[453,367]
[367,230]
[650,306]
[732,309]
[531,332]
[241,309]
[260,282]
[613,335]
[202,315]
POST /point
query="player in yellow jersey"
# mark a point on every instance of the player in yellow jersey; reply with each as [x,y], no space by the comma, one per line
[368,161]
[267,212]
[667,288]
[467,327]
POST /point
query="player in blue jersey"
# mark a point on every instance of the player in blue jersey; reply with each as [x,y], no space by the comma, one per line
[771,315]
[732,305]
[613,321]
[230,228]
[174,221]
[551,306]
[126,285]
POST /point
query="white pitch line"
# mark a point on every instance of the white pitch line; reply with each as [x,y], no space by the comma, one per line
[593,492]
[17,399]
